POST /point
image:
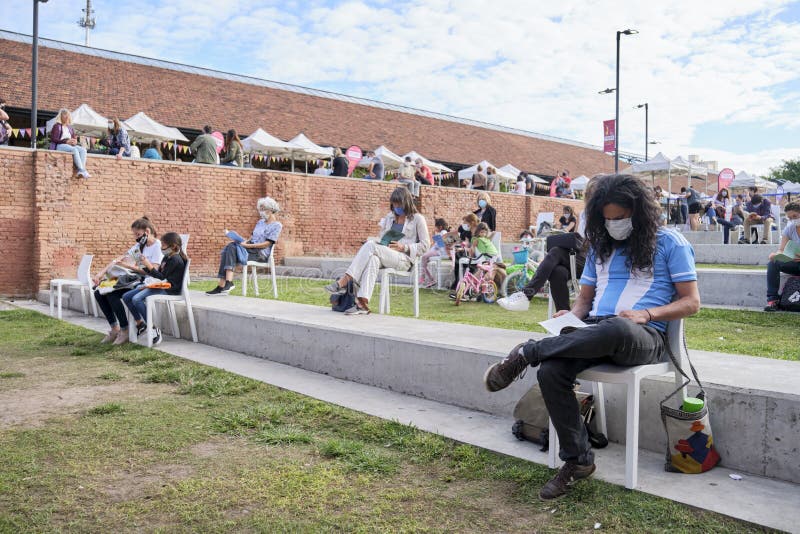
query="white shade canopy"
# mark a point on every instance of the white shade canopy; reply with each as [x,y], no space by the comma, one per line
[311,149]
[261,141]
[657,164]
[433,166]
[390,159]
[692,168]
[745,180]
[579,183]
[465,174]
[85,121]
[143,128]
[791,187]
[510,169]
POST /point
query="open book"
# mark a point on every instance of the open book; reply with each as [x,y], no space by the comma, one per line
[790,252]
[554,326]
[235,237]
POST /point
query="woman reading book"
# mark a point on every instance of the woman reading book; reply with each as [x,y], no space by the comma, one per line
[404,239]
[787,259]
[258,248]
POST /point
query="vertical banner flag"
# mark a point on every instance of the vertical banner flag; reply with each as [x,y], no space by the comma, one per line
[724,178]
[353,155]
[609,135]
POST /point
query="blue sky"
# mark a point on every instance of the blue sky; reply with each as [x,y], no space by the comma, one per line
[722,78]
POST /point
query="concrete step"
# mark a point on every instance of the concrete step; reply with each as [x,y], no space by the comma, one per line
[714,237]
[754,402]
[760,500]
[734,254]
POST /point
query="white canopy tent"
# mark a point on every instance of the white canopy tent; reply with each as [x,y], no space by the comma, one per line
[743,180]
[143,128]
[580,183]
[261,141]
[390,159]
[85,121]
[436,168]
[312,150]
[659,164]
[791,187]
[691,169]
[510,169]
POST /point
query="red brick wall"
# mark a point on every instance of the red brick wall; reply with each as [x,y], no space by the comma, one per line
[50,218]
[16,222]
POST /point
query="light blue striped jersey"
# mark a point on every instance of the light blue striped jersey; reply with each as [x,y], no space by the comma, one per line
[617,288]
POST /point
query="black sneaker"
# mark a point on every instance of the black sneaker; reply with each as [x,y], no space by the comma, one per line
[559,485]
[772,306]
[228,287]
[500,375]
[140,329]
[452,295]
[156,336]
[216,291]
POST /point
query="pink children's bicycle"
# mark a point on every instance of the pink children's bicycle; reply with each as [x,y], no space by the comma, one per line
[472,286]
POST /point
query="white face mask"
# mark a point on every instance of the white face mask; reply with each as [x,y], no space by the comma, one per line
[724,194]
[619,229]
[793,222]
[465,227]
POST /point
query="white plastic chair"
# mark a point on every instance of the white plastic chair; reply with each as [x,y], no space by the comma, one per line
[546,216]
[630,376]
[83,281]
[386,281]
[184,247]
[170,300]
[255,265]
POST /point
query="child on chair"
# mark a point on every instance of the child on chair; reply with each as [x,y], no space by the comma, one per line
[439,250]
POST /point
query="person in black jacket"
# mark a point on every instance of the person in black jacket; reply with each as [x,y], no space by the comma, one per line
[486,212]
[172,270]
[340,163]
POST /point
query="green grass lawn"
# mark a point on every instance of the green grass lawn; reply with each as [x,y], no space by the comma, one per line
[101,439]
[769,335]
[731,266]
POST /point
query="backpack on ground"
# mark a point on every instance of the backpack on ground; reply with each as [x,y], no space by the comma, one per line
[531,421]
[790,297]
[345,301]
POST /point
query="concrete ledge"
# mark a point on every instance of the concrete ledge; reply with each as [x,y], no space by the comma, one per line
[755,408]
[734,254]
[732,287]
[714,237]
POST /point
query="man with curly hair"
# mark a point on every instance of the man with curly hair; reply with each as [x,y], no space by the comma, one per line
[638,276]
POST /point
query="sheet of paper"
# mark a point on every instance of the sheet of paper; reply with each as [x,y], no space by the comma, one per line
[554,326]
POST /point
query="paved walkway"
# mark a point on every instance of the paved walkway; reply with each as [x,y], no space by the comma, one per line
[759,500]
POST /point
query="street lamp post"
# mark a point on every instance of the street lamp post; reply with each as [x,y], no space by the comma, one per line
[616,117]
[35,71]
[646,113]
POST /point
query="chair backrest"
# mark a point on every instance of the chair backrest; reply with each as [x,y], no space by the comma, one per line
[548,217]
[497,240]
[185,284]
[776,214]
[184,242]
[84,274]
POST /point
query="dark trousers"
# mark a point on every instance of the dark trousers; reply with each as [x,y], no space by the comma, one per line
[562,358]
[684,213]
[112,307]
[774,270]
[555,269]
[228,259]
[726,229]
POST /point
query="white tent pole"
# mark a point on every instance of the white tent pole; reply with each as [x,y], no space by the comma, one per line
[291,156]
[175,149]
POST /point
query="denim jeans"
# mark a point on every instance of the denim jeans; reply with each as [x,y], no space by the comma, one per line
[774,270]
[78,155]
[135,301]
[562,358]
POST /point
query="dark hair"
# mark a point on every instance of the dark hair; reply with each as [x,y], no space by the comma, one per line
[154,144]
[207,129]
[232,137]
[143,223]
[792,206]
[481,227]
[630,193]
[174,241]
[756,199]
[441,223]
[683,189]
[719,193]
[402,196]
[569,210]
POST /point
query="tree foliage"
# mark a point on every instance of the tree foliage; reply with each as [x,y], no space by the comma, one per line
[788,170]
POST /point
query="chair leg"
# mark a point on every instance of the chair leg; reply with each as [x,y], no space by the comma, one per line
[553,446]
[415,274]
[133,337]
[149,320]
[192,326]
[600,407]
[439,275]
[274,281]
[94,302]
[551,306]
[176,331]
[383,297]
[388,303]
[59,300]
[632,435]
[83,300]
[244,280]
[52,300]
[255,281]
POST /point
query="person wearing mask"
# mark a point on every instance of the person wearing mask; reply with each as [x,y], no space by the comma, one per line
[465,233]
[775,267]
[63,139]
[171,269]
[375,171]
[759,211]
[257,248]
[638,276]
[147,247]
[486,213]
[719,211]
[117,140]
[234,152]
[404,240]
[492,183]
[479,179]
[153,151]
[205,148]
[340,163]
[422,172]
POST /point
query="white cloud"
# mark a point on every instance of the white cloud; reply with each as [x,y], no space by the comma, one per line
[534,65]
